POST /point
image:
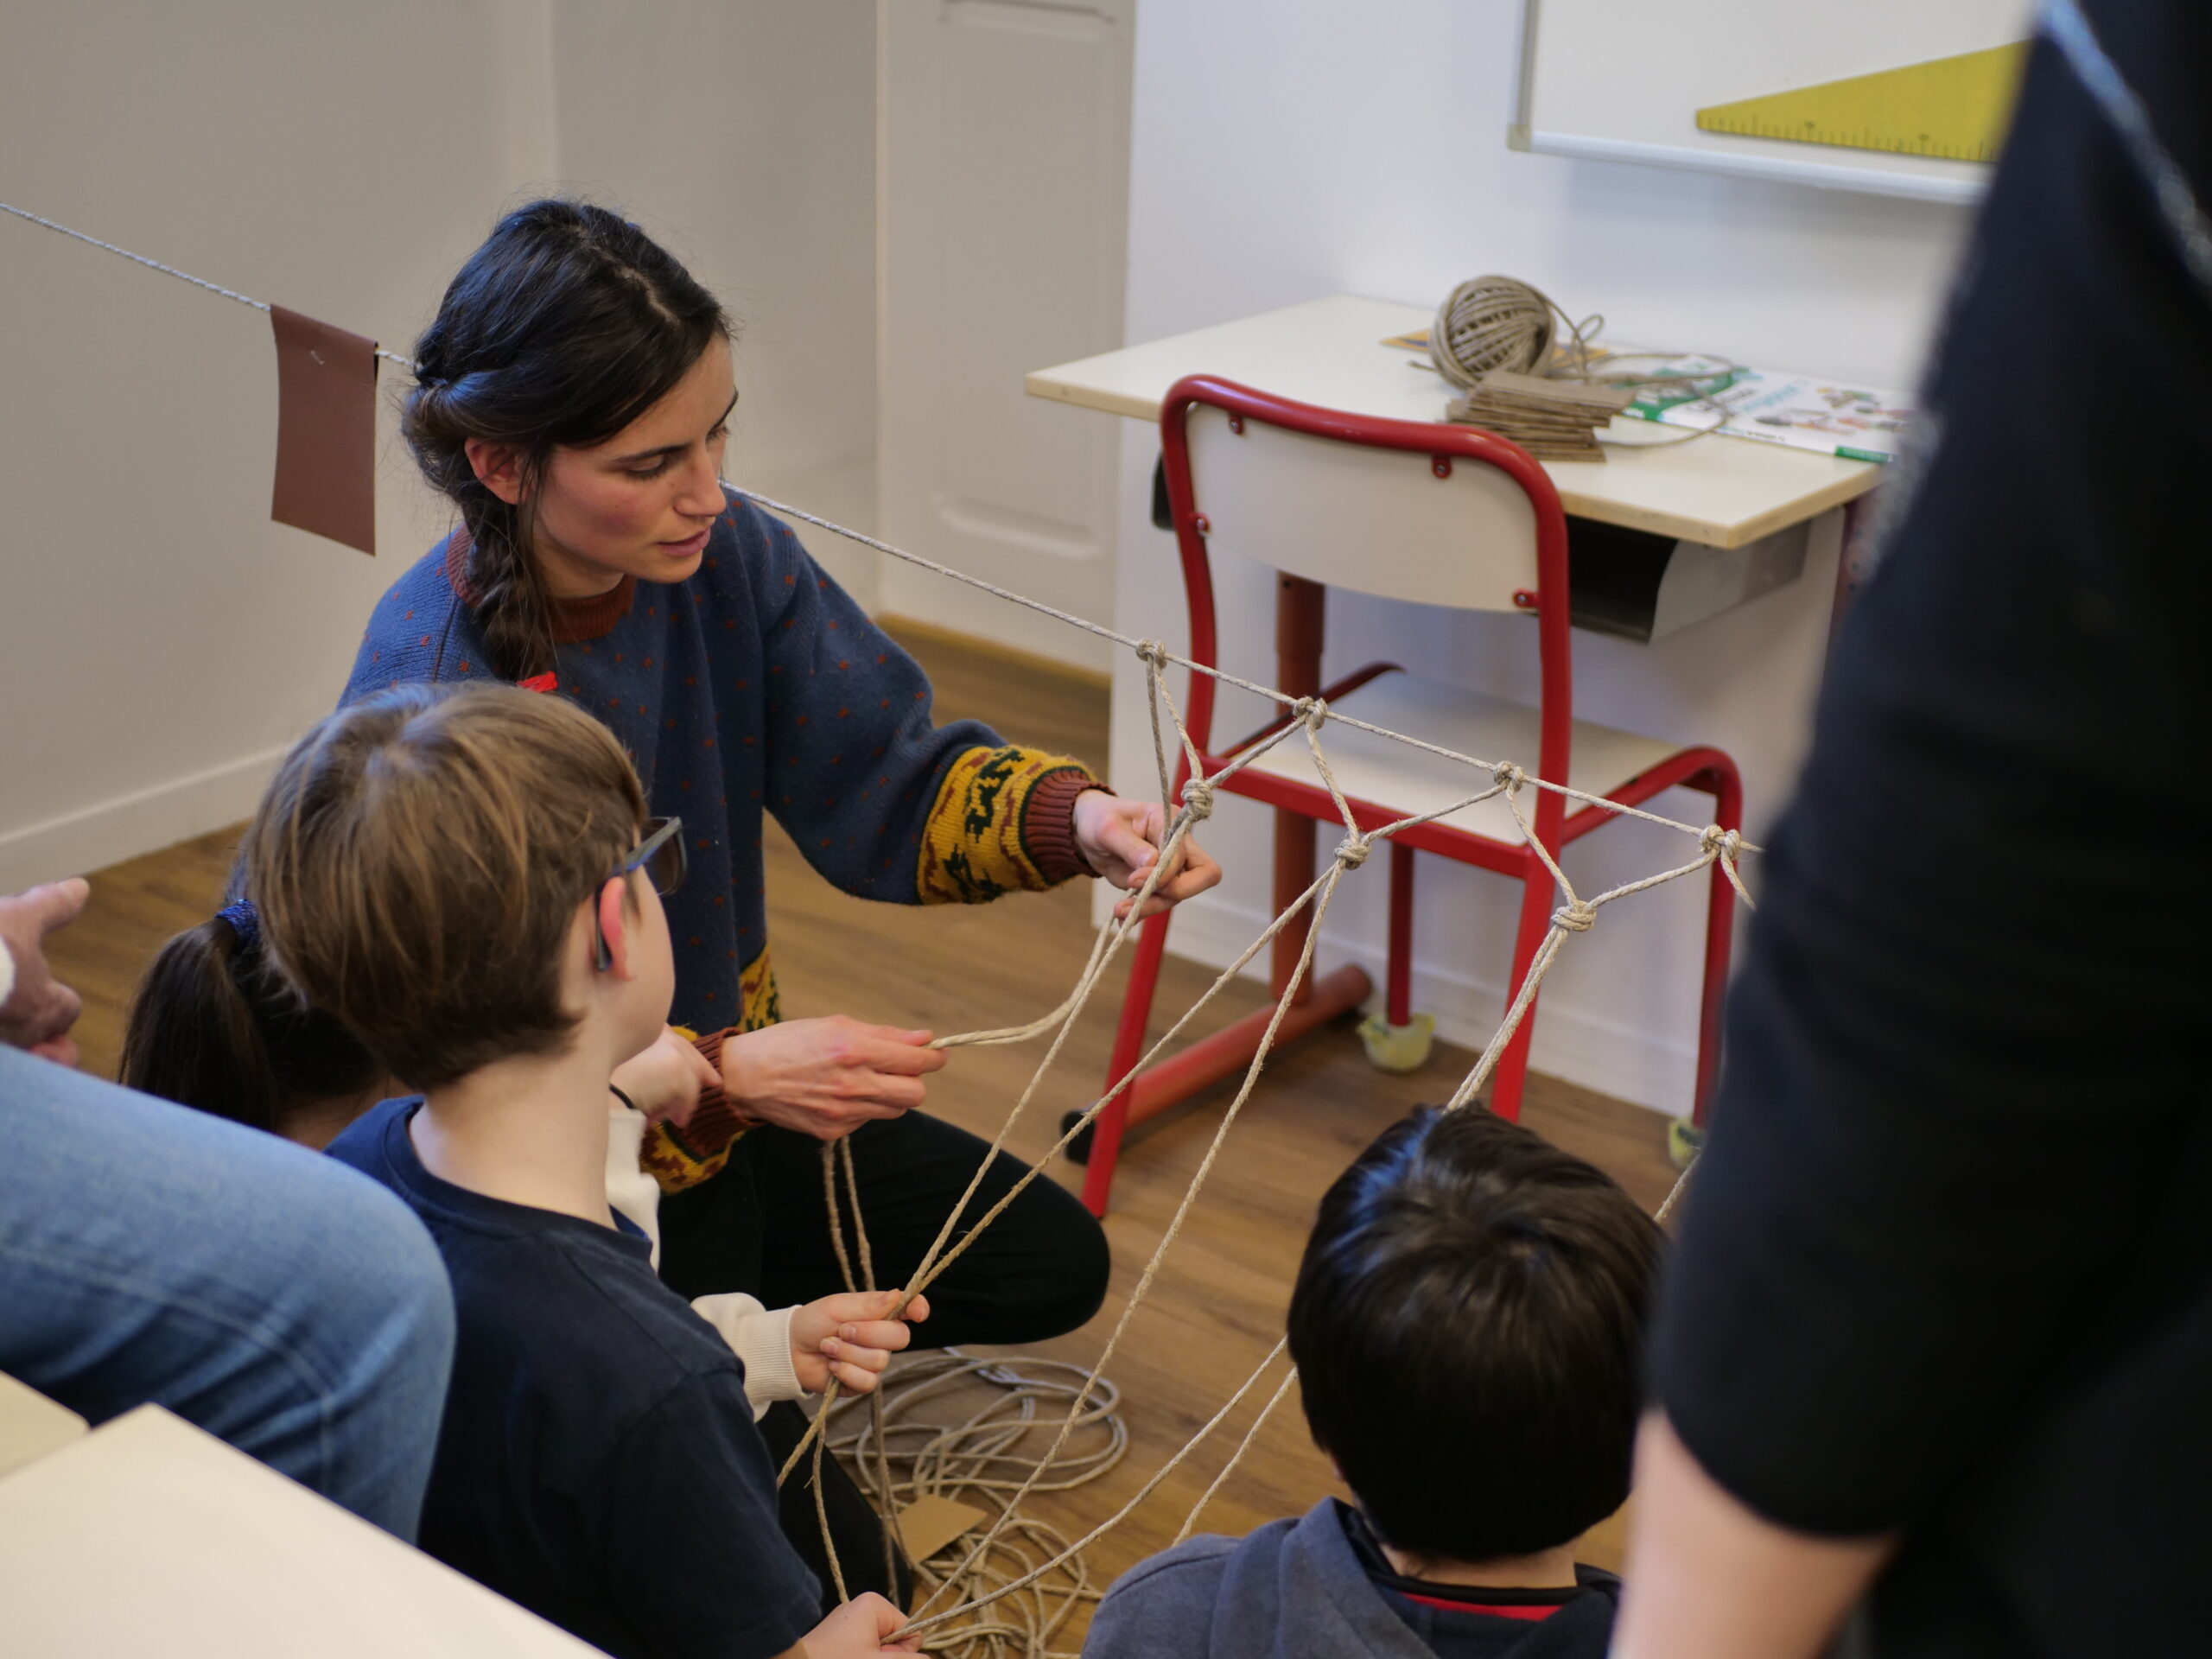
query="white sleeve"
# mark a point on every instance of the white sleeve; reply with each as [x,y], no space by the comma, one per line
[761,1339]
[629,1189]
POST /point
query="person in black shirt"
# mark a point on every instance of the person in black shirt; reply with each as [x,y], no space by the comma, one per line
[460,874]
[1940,1324]
[1465,1324]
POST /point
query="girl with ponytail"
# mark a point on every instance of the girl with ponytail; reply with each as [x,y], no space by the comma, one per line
[212,1025]
[571,402]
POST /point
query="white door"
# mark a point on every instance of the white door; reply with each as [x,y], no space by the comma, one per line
[1002,184]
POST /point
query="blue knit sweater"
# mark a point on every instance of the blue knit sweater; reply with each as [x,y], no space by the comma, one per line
[758,684]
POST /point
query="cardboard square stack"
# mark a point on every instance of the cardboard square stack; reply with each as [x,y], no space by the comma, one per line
[1553,420]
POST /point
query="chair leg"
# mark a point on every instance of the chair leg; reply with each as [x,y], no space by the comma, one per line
[1398,1039]
[1535,922]
[1719,936]
[1399,994]
[1129,1048]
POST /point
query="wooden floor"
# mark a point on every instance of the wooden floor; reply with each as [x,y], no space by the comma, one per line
[1217,1305]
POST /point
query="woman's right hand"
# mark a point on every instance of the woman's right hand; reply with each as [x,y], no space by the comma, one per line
[826,1077]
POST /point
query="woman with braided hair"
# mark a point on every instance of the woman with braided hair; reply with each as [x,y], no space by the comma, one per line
[572,398]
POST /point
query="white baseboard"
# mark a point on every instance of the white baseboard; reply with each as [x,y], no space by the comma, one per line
[1584,1048]
[142,822]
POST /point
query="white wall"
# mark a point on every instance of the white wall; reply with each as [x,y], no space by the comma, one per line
[743,136]
[1284,150]
[161,641]
[1004,160]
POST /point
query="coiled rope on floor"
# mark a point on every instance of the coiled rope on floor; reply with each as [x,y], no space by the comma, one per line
[951,1424]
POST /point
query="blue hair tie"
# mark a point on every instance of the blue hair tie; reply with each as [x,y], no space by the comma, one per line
[244,920]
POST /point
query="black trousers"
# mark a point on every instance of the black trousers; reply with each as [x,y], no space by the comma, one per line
[761,1226]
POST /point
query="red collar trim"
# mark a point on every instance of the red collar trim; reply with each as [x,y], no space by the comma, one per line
[1510,1610]
[575,621]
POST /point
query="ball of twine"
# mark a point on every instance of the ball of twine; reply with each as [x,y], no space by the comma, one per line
[1491,322]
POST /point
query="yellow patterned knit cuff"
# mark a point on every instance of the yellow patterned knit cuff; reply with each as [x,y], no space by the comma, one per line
[678,1158]
[1001,822]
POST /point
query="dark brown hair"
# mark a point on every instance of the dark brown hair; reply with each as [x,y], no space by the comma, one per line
[1467,1325]
[568,324]
[418,858]
[212,1027]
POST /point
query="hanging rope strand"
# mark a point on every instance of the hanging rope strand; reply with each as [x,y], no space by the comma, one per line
[1238,1456]
[406,363]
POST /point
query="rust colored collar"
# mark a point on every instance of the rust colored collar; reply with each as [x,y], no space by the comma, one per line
[575,621]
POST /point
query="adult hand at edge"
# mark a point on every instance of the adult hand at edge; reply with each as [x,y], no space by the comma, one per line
[1121,839]
[39,1009]
[826,1077]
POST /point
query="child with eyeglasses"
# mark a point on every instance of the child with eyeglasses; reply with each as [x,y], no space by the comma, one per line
[460,882]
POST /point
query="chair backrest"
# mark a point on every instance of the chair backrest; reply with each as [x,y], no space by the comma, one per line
[1403,523]
[1435,514]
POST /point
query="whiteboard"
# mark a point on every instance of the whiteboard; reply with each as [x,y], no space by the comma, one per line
[1623,80]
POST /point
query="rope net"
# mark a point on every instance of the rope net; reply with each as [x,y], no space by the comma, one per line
[1015,1586]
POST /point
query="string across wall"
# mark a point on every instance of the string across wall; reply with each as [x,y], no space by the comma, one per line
[1015,1586]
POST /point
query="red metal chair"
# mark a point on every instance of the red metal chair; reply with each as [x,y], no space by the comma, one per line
[1440,514]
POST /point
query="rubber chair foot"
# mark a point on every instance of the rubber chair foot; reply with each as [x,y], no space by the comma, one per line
[1398,1048]
[1078,1148]
[1684,1142]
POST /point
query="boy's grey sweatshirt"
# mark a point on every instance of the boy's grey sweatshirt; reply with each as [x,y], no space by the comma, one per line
[1297,1590]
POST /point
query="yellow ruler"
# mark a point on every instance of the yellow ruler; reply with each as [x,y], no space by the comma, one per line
[1956,108]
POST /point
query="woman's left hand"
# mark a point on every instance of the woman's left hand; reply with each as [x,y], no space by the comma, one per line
[1121,839]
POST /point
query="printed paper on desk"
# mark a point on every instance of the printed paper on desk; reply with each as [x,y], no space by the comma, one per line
[1803,411]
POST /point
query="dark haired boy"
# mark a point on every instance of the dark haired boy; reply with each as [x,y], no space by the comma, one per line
[1466,1325]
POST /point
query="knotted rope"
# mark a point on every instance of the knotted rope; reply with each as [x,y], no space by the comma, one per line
[973,1577]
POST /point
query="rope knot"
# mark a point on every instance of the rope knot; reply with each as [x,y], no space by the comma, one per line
[1151,652]
[1717,842]
[1197,800]
[1574,917]
[1312,712]
[1352,850]
[1507,776]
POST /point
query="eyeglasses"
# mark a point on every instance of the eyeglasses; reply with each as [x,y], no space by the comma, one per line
[661,856]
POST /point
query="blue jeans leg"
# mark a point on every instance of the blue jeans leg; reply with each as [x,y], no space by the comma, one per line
[274,1297]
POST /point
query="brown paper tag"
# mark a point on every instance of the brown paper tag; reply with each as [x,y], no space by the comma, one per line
[930,1523]
[326,431]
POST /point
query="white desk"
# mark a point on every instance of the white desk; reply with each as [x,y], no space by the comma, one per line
[1723,491]
[147,1536]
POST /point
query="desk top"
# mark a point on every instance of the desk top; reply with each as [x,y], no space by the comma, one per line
[1723,492]
[147,1536]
